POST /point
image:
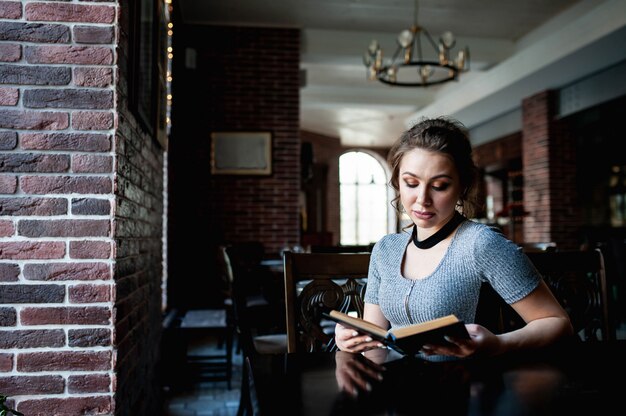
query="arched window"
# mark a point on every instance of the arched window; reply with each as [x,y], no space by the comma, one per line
[364,199]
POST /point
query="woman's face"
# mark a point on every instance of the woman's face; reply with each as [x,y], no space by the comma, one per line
[430,187]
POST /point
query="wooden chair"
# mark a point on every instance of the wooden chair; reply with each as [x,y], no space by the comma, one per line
[254,314]
[578,281]
[316,283]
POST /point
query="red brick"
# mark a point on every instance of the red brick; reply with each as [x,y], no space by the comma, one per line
[66,184]
[64,228]
[33,120]
[10,10]
[93,77]
[89,383]
[66,316]
[35,75]
[6,362]
[34,162]
[94,34]
[84,405]
[92,163]
[68,98]
[8,184]
[8,316]
[38,33]
[84,142]
[91,206]
[10,52]
[89,337]
[89,293]
[92,120]
[32,338]
[64,361]
[7,229]
[33,206]
[8,140]
[67,271]
[26,385]
[55,12]
[25,250]
[90,249]
[9,272]
[77,55]
[9,96]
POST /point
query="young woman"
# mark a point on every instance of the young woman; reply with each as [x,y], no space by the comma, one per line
[437,266]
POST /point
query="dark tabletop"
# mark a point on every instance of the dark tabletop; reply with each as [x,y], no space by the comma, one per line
[573,378]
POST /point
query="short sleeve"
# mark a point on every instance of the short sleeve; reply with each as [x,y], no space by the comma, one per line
[505,266]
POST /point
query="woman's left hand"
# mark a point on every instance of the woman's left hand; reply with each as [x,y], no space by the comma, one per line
[481,341]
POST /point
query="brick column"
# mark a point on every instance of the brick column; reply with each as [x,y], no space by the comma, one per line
[549,164]
[80,217]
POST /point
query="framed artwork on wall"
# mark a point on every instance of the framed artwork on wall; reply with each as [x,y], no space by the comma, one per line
[148,66]
[241,153]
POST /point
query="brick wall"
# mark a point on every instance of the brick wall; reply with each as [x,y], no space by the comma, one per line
[80,222]
[549,165]
[244,79]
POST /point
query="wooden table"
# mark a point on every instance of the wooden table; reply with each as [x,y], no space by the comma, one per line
[585,378]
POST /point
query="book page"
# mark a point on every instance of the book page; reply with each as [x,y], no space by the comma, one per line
[424,326]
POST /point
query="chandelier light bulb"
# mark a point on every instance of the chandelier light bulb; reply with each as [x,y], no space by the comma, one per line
[448,40]
[425,72]
[443,54]
[392,72]
[374,46]
[405,38]
[378,63]
[460,60]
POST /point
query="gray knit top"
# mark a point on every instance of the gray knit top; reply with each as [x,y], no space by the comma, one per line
[476,254]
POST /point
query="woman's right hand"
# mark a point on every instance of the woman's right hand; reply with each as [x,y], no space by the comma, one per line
[349,340]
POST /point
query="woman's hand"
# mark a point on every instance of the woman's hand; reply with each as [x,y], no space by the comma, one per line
[481,341]
[356,373]
[349,340]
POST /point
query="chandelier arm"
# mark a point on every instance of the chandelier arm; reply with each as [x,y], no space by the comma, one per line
[430,39]
[395,56]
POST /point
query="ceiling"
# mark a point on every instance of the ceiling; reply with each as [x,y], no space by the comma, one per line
[517,48]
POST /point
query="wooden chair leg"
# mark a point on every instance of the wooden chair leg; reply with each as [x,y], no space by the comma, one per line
[245,405]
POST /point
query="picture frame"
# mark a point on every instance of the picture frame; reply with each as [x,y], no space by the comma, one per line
[141,85]
[147,90]
[241,153]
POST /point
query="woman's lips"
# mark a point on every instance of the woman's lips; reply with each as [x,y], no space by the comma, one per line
[423,215]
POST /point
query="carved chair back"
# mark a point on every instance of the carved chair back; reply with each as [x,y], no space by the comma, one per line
[578,281]
[316,283]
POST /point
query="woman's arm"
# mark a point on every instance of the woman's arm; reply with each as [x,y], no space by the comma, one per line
[546,322]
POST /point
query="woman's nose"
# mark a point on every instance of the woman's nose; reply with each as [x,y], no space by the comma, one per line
[423,197]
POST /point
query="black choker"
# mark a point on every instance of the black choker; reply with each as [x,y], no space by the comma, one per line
[439,235]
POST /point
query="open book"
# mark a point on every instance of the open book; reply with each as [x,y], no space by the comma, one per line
[407,340]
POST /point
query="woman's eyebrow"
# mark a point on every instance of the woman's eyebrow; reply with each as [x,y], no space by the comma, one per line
[441,175]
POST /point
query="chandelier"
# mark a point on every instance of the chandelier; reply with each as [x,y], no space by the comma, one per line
[408,67]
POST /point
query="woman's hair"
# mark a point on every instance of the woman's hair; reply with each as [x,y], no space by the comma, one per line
[442,135]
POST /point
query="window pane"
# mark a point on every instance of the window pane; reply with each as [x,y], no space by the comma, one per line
[363,198]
